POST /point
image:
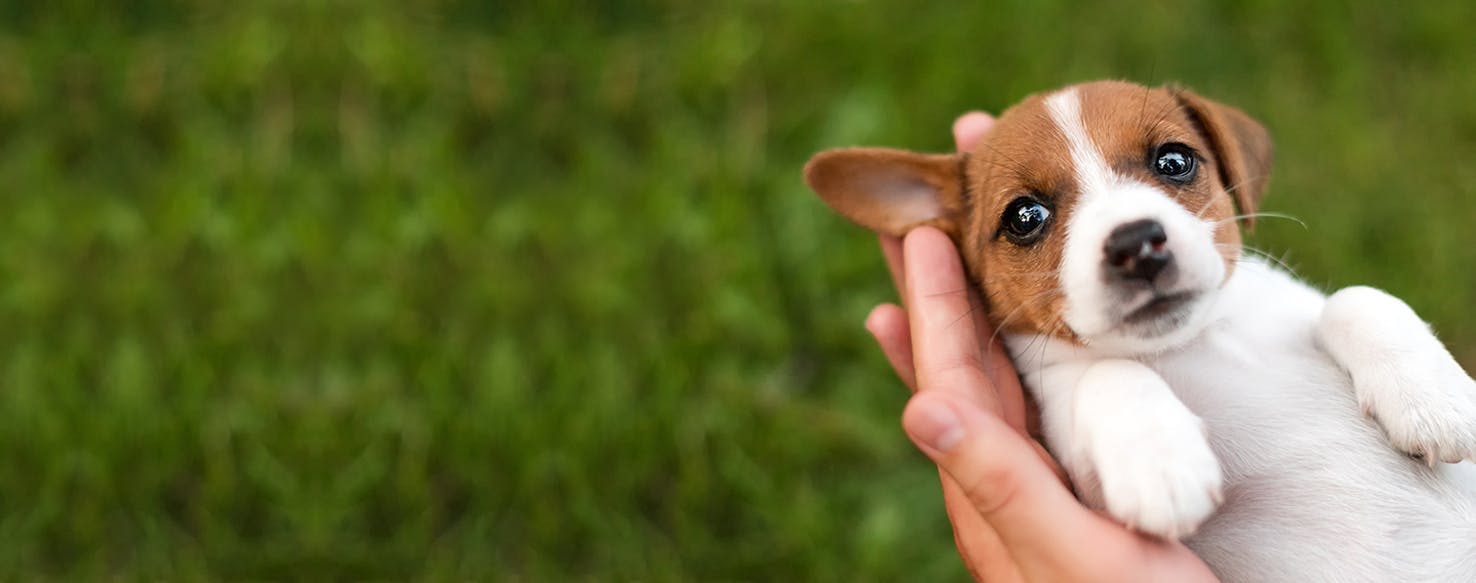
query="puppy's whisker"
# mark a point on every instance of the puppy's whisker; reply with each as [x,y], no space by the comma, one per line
[1203,209]
[1015,167]
[1025,354]
[1168,110]
[1040,366]
[1033,297]
[1001,326]
[1045,342]
[1005,165]
[1265,215]
[1247,180]
[1279,260]
[991,294]
[1262,254]
[1143,107]
[972,308]
[1014,276]
[962,290]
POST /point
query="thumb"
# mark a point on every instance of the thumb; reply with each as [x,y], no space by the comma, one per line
[969,128]
[1005,479]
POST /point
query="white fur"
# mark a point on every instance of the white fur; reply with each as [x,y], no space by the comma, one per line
[1278,376]
[1096,310]
[1147,452]
[1092,171]
[1313,489]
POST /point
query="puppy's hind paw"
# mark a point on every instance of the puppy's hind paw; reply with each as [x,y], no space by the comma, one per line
[1403,376]
[1427,411]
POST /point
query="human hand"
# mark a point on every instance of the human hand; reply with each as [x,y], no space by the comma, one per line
[1014,518]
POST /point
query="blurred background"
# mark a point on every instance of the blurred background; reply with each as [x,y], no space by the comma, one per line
[533,291]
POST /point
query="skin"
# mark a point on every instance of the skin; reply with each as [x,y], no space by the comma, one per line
[1014,516]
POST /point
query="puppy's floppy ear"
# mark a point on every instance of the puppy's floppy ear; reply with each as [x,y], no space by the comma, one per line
[890,191]
[1242,148]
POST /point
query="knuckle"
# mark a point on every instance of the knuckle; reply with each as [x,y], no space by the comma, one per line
[992,488]
[959,364]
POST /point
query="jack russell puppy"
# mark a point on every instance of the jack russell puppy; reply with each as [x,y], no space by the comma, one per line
[1189,390]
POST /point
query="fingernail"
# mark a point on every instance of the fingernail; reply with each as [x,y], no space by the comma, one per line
[935,425]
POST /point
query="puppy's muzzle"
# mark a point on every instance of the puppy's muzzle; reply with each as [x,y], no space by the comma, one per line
[1137,251]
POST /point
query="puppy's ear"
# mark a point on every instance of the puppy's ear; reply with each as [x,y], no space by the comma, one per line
[1242,149]
[890,191]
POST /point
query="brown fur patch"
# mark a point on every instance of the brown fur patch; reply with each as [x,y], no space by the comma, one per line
[1023,155]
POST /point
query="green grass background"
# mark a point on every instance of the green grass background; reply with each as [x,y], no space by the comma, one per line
[393,290]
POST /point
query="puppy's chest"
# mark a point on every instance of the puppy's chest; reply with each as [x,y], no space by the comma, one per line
[1258,363]
[1269,397]
[1247,366]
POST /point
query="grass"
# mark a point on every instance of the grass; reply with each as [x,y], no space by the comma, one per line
[532,290]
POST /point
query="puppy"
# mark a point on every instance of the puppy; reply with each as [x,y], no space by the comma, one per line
[1190,390]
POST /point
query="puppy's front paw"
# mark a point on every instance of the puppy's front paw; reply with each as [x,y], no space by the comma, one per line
[1154,466]
[1159,477]
[1424,406]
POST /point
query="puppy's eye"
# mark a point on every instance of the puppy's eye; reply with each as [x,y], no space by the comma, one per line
[1024,220]
[1175,162]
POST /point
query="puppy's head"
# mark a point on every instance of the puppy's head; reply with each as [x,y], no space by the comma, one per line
[1103,213]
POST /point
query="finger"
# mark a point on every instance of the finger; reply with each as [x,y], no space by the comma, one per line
[1005,480]
[945,346]
[888,324]
[984,554]
[998,367]
[892,250]
[969,128]
[997,363]
[1045,458]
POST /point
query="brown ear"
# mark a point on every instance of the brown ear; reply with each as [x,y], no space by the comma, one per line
[1242,149]
[890,191]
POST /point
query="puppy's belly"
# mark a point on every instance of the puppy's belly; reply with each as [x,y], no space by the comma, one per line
[1314,491]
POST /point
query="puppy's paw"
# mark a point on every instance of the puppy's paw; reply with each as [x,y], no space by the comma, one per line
[1161,478]
[1403,376]
[1425,407]
[1152,461]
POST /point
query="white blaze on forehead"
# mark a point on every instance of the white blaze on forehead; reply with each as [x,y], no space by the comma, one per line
[1092,172]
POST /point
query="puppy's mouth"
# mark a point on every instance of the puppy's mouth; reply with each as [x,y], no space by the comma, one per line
[1158,305]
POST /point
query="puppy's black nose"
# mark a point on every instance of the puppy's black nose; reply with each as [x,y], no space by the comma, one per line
[1136,250]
